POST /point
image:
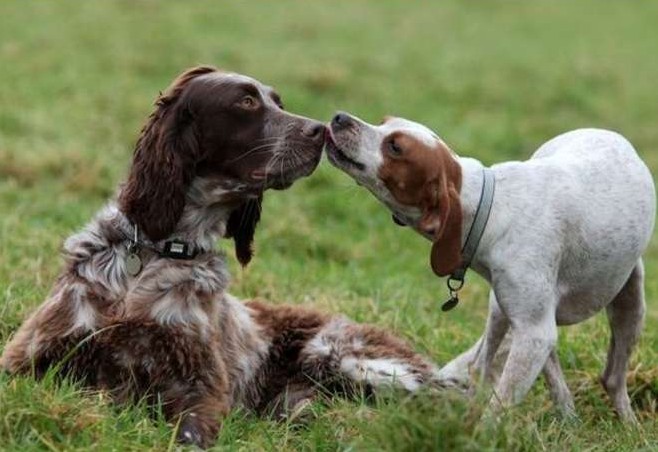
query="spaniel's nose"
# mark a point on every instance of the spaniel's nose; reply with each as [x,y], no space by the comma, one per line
[341,121]
[314,130]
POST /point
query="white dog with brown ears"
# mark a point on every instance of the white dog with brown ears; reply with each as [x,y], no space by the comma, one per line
[564,238]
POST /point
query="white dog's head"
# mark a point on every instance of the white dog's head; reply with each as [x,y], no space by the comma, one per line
[412,171]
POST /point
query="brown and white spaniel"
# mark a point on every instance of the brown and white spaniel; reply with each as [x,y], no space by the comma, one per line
[141,308]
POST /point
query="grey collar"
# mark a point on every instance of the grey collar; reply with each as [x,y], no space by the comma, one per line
[456,279]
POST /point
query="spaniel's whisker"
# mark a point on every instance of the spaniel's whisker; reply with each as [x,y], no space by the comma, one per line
[263,148]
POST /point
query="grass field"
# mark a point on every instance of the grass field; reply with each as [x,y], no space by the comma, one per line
[494,78]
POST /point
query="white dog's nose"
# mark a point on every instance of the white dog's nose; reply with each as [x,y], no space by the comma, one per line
[341,121]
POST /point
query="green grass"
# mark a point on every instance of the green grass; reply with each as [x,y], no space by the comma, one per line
[495,79]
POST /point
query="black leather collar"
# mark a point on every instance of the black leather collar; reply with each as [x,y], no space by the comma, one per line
[172,249]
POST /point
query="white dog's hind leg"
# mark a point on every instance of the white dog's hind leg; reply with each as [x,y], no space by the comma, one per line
[626,317]
[557,386]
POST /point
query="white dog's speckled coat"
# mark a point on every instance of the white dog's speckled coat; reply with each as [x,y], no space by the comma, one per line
[564,241]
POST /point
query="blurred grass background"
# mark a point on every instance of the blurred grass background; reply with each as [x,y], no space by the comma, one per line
[495,79]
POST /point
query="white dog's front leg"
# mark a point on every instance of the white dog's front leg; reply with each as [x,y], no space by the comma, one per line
[531,345]
[483,362]
[457,372]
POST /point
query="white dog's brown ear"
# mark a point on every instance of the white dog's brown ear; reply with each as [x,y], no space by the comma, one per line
[442,218]
[446,255]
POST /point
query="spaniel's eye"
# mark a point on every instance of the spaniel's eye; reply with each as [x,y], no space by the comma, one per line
[394,148]
[249,103]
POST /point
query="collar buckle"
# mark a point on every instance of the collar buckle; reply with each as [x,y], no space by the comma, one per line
[177,249]
[174,249]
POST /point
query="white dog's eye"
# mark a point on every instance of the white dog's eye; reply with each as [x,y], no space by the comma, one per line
[394,148]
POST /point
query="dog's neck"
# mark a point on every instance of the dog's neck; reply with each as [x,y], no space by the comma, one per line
[208,206]
[201,225]
[107,236]
[471,192]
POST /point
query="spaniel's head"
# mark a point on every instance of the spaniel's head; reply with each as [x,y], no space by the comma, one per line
[412,171]
[226,135]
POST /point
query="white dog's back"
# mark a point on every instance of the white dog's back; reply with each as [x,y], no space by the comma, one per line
[597,214]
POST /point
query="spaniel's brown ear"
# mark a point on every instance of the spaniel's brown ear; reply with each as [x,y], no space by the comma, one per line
[241,226]
[166,153]
[442,218]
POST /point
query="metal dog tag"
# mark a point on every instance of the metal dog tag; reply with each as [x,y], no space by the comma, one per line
[133,264]
[455,284]
[451,303]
